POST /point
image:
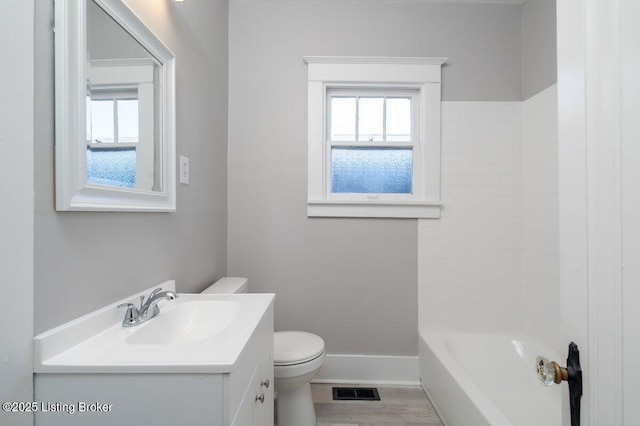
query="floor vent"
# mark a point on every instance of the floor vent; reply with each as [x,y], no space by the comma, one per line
[356,394]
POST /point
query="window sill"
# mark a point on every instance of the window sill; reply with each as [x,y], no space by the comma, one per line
[407,210]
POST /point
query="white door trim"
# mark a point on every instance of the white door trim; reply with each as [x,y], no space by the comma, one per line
[630,165]
[589,93]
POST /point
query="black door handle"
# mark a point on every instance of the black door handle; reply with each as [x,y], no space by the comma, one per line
[575,382]
[551,372]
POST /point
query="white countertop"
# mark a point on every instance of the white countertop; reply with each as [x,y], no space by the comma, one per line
[97,342]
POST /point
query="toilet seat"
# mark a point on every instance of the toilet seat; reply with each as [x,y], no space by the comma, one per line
[296,347]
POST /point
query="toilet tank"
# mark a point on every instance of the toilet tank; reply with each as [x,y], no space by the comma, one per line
[228,285]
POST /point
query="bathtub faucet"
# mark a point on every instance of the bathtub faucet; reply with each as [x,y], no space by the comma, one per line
[148,309]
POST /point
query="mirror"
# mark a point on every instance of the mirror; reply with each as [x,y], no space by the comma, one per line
[115,113]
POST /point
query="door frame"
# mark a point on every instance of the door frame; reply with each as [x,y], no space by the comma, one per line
[590,187]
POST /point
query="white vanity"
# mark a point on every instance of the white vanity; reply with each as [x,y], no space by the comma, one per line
[204,360]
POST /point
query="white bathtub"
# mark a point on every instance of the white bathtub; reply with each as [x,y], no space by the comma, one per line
[487,379]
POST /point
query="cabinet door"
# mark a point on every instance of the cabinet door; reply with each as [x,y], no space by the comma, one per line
[256,408]
[244,417]
[263,402]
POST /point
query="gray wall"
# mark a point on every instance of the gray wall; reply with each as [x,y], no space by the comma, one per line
[539,62]
[352,281]
[106,39]
[16,216]
[86,260]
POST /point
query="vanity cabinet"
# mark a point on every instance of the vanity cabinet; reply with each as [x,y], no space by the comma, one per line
[90,384]
[158,399]
[256,407]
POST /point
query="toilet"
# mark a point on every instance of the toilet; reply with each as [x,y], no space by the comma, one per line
[297,358]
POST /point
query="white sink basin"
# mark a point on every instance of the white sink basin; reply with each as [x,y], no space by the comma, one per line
[195,333]
[186,322]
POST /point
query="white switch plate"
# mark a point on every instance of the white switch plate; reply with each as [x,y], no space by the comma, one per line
[184,170]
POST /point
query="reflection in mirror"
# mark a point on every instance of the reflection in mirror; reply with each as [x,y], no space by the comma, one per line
[123,142]
[115,110]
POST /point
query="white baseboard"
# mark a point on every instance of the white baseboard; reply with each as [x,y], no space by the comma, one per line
[369,369]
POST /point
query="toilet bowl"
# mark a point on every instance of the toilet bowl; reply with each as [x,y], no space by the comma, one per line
[298,356]
[297,359]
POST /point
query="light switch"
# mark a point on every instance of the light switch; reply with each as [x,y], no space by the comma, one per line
[184,170]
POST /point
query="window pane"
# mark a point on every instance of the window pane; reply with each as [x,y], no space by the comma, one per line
[112,167]
[343,119]
[127,120]
[102,121]
[371,170]
[370,119]
[398,119]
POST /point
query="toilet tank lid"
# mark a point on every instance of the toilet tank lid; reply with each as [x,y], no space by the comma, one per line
[295,347]
[228,285]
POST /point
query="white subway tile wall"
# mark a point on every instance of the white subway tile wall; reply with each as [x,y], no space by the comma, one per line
[470,260]
[540,263]
[491,262]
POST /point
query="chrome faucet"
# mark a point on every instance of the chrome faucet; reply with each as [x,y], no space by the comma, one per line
[148,309]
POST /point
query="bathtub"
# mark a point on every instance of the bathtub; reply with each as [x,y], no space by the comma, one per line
[487,379]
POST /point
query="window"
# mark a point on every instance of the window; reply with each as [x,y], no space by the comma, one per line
[112,136]
[371,142]
[112,116]
[374,137]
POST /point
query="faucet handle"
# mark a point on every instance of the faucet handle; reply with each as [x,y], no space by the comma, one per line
[132,314]
[153,293]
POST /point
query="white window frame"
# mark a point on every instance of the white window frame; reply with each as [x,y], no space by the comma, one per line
[420,74]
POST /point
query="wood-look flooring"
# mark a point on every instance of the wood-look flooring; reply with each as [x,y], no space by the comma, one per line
[398,406]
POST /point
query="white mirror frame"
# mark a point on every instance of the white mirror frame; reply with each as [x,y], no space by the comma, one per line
[72,190]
